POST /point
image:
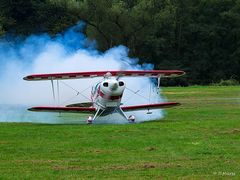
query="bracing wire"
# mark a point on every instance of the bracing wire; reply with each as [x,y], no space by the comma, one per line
[71,98]
[78,92]
[136,93]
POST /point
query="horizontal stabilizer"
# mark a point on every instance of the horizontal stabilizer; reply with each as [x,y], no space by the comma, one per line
[79,75]
[150,106]
[63,109]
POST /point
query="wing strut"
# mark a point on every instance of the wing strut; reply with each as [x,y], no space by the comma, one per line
[53,91]
[159,80]
[120,111]
[58,93]
[150,89]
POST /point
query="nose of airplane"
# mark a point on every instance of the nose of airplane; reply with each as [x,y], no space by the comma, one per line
[113,86]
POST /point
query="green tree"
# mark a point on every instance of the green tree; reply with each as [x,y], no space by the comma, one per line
[198,36]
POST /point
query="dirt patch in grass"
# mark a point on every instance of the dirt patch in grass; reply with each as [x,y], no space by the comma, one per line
[140,166]
[230,131]
[43,161]
[151,148]
[4,142]
[149,166]
[37,161]
[234,131]
[100,151]
[69,168]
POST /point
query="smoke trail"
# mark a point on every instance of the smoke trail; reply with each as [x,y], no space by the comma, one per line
[67,52]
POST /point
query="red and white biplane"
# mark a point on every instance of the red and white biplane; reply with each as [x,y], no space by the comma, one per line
[106,95]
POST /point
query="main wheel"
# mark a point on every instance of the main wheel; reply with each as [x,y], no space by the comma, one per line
[131,118]
[90,120]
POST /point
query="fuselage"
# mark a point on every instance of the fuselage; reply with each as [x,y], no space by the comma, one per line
[107,93]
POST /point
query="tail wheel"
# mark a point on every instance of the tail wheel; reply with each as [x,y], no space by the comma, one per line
[131,118]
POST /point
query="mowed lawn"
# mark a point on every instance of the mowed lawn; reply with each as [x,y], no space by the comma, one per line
[198,140]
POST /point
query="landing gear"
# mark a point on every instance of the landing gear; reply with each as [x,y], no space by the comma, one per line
[97,114]
[90,120]
[131,118]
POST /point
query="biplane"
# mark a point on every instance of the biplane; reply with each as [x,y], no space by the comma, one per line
[106,95]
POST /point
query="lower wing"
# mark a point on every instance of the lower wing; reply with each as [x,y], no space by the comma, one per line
[86,110]
[150,106]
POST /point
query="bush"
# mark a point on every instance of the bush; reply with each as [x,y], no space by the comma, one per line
[229,82]
[179,81]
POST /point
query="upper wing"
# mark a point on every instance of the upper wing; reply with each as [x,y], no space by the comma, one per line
[63,109]
[150,106]
[78,75]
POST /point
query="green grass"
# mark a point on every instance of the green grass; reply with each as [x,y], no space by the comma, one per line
[198,140]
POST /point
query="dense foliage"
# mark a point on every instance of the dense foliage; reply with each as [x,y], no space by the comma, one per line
[198,36]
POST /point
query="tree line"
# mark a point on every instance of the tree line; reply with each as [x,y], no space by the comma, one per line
[201,37]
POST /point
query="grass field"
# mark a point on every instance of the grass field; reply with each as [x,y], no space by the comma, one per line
[198,140]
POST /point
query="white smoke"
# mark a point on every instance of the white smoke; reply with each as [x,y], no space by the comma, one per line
[69,52]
